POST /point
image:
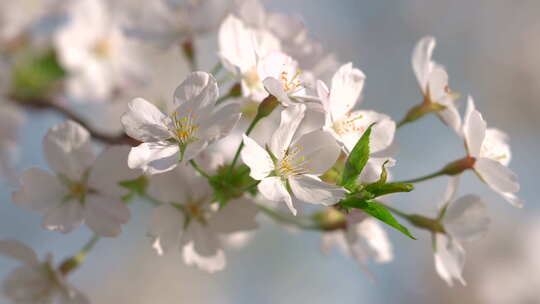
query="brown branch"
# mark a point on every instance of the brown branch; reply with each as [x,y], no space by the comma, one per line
[45,104]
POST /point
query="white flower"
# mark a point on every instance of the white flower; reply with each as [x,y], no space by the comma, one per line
[181,135]
[283,79]
[83,188]
[348,126]
[188,220]
[288,168]
[168,23]
[433,81]
[491,153]
[36,282]
[18,18]
[95,52]
[240,49]
[363,239]
[463,220]
[293,35]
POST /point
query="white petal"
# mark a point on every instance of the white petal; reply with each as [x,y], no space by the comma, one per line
[198,90]
[109,169]
[166,227]
[68,149]
[220,123]
[205,241]
[496,147]
[144,122]
[496,176]
[451,190]
[291,118]
[257,159]
[512,199]
[449,259]
[275,88]
[40,190]
[310,189]
[347,85]
[210,264]
[370,240]
[26,284]
[273,189]
[235,45]
[154,158]
[438,83]
[105,215]
[64,217]
[319,149]
[450,116]
[466,219]
[19,251]
[237,215]
[421,60]
[474,129]
[373,169]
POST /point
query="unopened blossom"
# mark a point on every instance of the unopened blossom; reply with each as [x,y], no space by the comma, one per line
[288,167]
[81,188]
[240,49]
[348,126]
[464,219]
[179,136]
[363,239]
[168,23]
[188,220]
[283,79]
[489,150]
[36,282]
[98,57]
[433,80]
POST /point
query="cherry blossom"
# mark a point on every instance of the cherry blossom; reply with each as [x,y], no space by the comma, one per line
[490,151]
[82,189]
[36,282]
[188,220]
[288,167]
[181,135]
[348,126]
[433,80]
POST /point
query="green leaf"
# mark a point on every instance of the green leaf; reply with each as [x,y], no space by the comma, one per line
[35,75]
[357,161]
[382,189]
[379,212]
[135,186]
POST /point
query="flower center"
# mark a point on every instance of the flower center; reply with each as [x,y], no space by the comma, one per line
[252,79]
[184,127]
[348,125]
[292,163]
[102,48]
[291,83]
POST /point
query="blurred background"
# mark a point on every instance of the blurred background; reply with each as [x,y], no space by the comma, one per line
[491,49]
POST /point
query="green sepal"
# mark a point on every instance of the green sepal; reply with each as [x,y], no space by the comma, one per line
[135,186]
[356,161]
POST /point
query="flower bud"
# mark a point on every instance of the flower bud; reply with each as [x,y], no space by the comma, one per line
[330,219]
[458,166]
[267,106]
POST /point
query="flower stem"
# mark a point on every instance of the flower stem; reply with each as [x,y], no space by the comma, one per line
[286,219]
[241,145]
[75,261]
[422,178]
[199,169]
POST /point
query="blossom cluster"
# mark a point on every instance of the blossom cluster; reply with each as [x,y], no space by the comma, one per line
[276,128]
